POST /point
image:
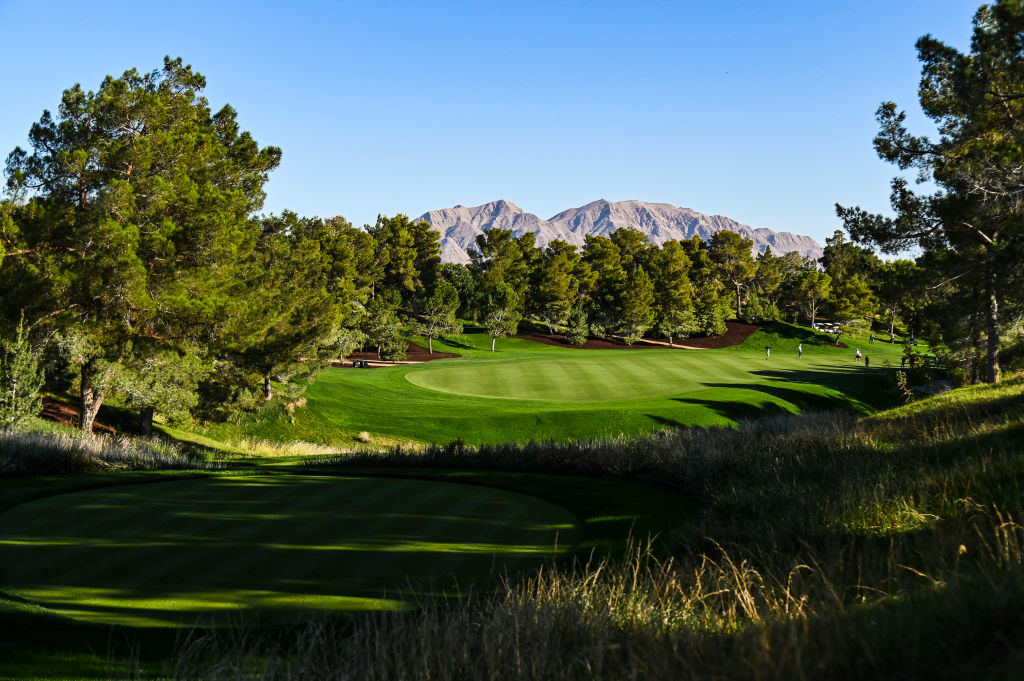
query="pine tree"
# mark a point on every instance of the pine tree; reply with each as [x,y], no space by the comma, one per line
[20,380]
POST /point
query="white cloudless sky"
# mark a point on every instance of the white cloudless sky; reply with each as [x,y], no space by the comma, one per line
[762,110]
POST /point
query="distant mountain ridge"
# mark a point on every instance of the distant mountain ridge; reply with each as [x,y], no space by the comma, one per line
[661,222]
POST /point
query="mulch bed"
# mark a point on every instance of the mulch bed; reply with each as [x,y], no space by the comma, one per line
[413,353]
[68,415]
[737,333]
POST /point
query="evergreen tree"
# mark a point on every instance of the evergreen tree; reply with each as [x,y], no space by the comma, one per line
[138,224]
[20,380]
[708,305]
[499,258]
[673,292]
[680,323]
[383,327]
[557,284]
[732,253]
[851,303]
[503,313]
[637,307]
[604,259]
[439,314]
[976,100]
[811,290]
[577,330]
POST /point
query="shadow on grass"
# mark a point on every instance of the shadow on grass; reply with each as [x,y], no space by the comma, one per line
[736,411]
[800,334]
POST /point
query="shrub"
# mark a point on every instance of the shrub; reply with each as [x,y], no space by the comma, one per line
[20,380]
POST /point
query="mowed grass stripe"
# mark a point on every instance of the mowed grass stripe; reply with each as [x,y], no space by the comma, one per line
[628,374]
[335,552]
[531,391]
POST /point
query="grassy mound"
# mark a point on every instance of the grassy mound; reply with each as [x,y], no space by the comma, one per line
[531,391]
[175,552]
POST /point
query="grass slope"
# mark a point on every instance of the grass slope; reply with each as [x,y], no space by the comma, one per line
[171,552]
[528,390]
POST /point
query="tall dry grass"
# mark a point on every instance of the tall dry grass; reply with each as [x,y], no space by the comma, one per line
[44,453]
[827,547]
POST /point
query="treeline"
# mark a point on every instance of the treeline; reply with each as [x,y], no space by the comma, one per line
[134,264]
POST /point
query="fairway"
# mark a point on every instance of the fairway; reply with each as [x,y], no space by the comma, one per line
[180,552]
[531,391]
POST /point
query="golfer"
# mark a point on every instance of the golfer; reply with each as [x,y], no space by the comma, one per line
[767,351]
[799,349]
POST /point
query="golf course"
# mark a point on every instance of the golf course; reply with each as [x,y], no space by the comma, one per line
[532,391]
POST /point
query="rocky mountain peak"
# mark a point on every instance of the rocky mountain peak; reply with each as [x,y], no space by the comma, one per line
[460,225]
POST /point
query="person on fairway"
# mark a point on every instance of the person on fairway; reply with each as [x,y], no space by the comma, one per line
[799,350]
[857,356]
[767,351]
[867,361]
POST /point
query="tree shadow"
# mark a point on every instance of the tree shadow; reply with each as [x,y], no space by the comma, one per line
[800,334]
[736,411]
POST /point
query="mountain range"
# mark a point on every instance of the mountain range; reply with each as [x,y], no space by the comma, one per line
[459,226]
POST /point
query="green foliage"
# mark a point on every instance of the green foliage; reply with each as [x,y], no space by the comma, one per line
[578,331]
[499,258]
[811,290]
[852,302]
[384,329]
[638,311]
[731,252]
[503,313]
[137,227]
[969,232]
[20,380]
[679,324]
[439,314]
[556,289]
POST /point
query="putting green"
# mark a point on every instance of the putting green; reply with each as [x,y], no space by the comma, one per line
[591,377]
[182,552]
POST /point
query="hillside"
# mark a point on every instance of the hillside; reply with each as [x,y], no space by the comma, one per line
[661,222]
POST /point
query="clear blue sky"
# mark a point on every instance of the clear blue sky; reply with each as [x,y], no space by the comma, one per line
[762,111]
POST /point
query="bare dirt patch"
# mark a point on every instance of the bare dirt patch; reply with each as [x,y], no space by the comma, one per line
[67,415]
[414,354]
[737,333]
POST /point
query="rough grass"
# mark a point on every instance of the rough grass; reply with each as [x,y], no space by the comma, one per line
[828,547]
[48,453]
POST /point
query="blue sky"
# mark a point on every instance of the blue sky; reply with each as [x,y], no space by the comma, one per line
[762,111]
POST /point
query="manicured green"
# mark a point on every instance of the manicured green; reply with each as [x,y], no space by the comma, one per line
[528,390]
[172,553]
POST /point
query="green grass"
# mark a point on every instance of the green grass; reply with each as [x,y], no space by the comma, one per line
[528,390]
[170,553]
[827,545]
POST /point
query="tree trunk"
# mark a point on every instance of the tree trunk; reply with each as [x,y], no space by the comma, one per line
[430,344]
[992,328]
[146,421]
[670,341]
[493,340]
[812,315]
[737,302]
[91,398]
[268,392]
[892,323]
